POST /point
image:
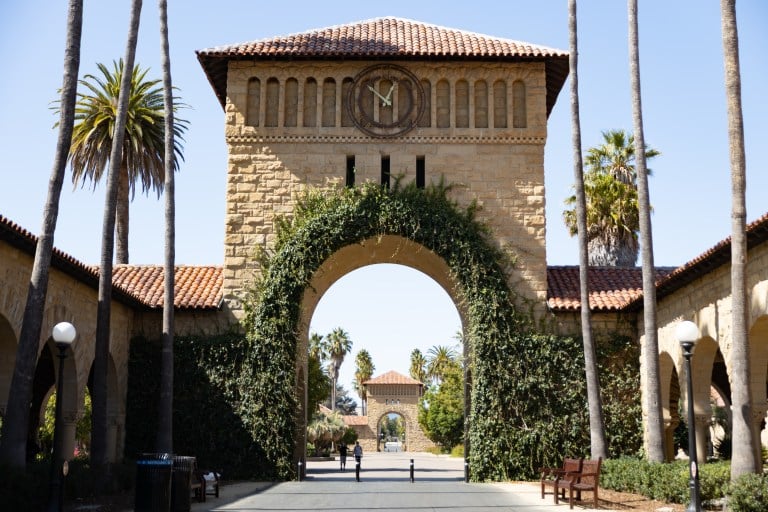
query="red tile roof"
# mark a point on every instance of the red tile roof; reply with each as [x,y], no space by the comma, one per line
[610,288]
[196,287]
[355,421]
[392,377]
[385,38]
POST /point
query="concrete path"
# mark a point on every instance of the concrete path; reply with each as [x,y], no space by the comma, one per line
[384,485]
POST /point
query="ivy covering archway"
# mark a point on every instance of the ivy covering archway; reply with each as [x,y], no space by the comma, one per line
[527,401]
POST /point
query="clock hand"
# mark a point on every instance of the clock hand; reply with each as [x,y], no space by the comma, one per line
[389,94]
[385,102]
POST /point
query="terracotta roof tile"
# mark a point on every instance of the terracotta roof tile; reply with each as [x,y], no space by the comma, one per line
[610,288]
[392,377]
[384,38]
[197,287]
[352,421]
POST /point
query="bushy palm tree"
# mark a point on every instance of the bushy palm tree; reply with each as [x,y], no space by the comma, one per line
[336,346]
[418,369]
[610,192]
[143,149]
[440,360]
[363,372]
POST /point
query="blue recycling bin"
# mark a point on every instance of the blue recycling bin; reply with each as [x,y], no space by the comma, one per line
[153,482]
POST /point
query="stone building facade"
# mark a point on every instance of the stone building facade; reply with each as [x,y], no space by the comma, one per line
[324,109]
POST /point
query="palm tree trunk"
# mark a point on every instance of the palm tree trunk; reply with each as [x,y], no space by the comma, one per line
[122,217]
[745,455]
[599,446]
[652,388]
[13,441]
[99,458]
[165,415]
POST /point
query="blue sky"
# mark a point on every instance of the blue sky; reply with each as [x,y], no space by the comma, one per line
[684,113]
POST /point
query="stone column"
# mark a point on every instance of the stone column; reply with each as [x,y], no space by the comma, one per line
[68,434]
[757,424]
[702,422]
[670,424]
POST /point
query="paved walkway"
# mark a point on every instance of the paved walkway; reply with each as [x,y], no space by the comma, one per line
[384,485]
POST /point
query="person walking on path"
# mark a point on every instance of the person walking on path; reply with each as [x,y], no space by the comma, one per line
[342,457]
[358,452]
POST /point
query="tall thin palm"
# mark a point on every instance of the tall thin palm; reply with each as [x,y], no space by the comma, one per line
[418,368]
[363,372]
[143,146]
[440,359]
[165,414]
[746,452]
[655,419]
[598,443]
[99,458]
[337,346]
[16,421]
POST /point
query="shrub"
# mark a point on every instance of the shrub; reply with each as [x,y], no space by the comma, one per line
[458,451]
[667,482]
[749,494]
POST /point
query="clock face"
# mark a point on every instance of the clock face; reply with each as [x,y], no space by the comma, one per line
[385,100]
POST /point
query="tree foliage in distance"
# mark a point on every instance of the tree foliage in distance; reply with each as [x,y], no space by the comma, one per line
[345,404]
[318,385]
[610,191]
[441,409]
[418,368]
[364,369]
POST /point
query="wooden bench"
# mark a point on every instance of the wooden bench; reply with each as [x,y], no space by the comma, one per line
[197,485]
[588,479]
[210,486]
[557,478]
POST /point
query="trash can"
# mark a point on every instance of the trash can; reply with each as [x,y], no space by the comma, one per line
[181,489]
[153,482]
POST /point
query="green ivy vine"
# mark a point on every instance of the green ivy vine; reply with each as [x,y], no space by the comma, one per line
[528,398]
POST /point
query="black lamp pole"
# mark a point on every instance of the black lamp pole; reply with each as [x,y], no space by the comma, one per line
[63,334]
[57,462]
[695,505]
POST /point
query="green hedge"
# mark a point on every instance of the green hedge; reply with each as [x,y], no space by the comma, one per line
[668,482]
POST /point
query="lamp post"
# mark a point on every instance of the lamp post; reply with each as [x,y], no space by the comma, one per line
[63,334]
[687,334]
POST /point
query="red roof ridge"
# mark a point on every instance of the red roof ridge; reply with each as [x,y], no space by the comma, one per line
[392,377]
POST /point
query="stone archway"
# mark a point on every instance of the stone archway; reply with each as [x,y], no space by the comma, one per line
[392,249]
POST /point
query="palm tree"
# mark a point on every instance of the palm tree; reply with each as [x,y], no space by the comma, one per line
[746,454]
[99,459]
[440,359]
[316,346]
[418,369]
[165,414]
[16,421]
[143,150]
[599,446]
[337,345]
[610,190]
[363,372]
[655,419]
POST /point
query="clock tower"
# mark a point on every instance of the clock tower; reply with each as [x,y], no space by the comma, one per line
[379,99]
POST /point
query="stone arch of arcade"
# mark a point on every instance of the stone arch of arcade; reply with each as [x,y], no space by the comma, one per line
[385,249]
[70,300]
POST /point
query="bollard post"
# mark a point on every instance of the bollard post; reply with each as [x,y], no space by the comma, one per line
[466,471]
[300,467]
[411,470]
[357,471]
